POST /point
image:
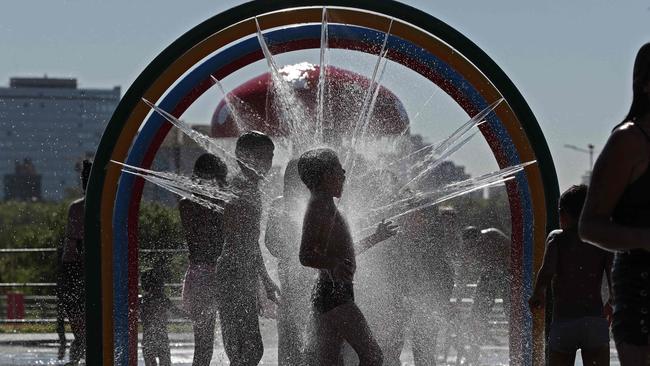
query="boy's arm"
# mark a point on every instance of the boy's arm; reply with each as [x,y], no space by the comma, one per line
[612,173]
[316,229]
[546,272]
[385,230]
[248,216]
[273,236]
[609,259]
[248,220]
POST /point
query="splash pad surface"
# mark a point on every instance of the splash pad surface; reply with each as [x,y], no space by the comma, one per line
[221,46]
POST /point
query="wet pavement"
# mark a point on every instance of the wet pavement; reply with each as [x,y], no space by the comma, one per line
[41,349]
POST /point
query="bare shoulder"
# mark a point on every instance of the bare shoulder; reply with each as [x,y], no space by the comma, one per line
[623,159]
[555,236]
[77,204]
[183,202]
[628,138]
[494,233]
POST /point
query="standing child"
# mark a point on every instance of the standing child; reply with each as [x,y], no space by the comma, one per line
[154,308]
[575,270]
[73,287]
[203,229]
[241,266]
[327,246]
[282,239]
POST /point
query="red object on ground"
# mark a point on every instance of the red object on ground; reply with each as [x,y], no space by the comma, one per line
[15,305]
[345,92]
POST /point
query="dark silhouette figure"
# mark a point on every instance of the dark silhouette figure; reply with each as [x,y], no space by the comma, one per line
[282,239]
[241,267]
[73,259]
[616,217]
[203,229]
[378,281]
[488,250]
[430,279]
[60,301]
[575,270]
[327,246]
[154,313]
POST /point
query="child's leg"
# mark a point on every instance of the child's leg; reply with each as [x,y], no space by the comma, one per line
[290,341]
[149,356]
[78,346]
[351,325]
[324,343]
[425,332]
[163,353]
[164,357]
[596,357]
[595,341]
[241,330]
[204,339]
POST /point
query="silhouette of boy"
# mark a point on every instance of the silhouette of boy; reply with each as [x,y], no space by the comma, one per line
[240,266]
[282,239]
[575,270]
[154,313]
[488,250]
[203,229]
[327,246]
[73,270]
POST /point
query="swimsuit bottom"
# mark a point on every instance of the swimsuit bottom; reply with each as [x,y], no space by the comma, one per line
[586,333]
[328,295]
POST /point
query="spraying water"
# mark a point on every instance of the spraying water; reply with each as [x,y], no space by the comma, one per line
[377,189]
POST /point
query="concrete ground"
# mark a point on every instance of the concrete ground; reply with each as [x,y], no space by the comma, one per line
[41,349]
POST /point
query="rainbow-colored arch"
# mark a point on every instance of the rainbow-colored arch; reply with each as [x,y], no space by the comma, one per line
[222,45]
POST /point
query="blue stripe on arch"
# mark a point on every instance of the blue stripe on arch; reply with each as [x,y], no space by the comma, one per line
[302,32]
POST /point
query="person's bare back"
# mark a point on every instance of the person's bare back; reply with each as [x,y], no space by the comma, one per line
[579,270]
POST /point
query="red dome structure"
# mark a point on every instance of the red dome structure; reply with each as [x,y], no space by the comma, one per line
[344,95]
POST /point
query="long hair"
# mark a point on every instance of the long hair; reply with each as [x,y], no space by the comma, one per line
[86,167]
[640,103]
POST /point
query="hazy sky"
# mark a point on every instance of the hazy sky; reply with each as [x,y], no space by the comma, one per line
[571,60]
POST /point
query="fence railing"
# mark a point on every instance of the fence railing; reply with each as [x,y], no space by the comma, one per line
[42,309]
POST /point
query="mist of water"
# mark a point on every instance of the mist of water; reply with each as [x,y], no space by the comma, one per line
[207,143]
[322,76]
[202,192]
[304,129]
[425,199]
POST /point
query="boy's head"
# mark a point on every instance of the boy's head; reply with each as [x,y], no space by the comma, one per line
[448,218]
[571,202]
[254,150]
[86,167]
[293,187]
[470,235]
[210,167]
[321,171]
